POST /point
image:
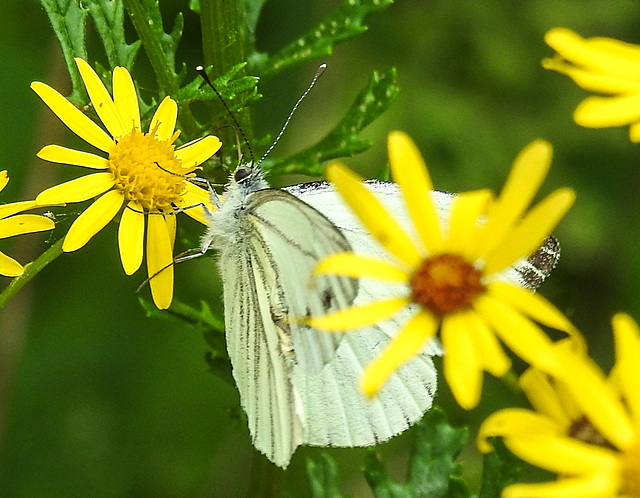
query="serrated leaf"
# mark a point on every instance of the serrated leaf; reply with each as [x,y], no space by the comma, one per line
[108,18]
[323,478]
[68,20]
[500,468]
[433,471]
[344,23]
[160,46]
[343,140]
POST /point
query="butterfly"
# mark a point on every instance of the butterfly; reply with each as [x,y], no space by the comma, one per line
[299,385]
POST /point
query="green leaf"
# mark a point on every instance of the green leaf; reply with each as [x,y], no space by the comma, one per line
[343,140]
[433,471]
[231,86]
[68,20]
[108,18]
[344,23]
[500,468]
[160,46]
[323,477]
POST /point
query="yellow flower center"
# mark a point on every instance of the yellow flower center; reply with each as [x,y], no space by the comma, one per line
[631,471]
[147,170]
[445,284]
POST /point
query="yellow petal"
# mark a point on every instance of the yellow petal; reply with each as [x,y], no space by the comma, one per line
[597,54]
[544,397]
[24,223]
[92,220]
[603,112]
[590,81]
[463,230]
[77,122]
[601,405]
[352,265]
[197,152]
[194,198]
[494,360]
[409,342]
[58,154]
[461,363]
[634,132]
[101,100]
[593,485]
[520,334]
[131,237]
[536,307]
[165,119]
[9,267]
[160,261]
[4,179]
[77,190]
[515,422]
[410,172]
[527,174]
[530,233]
[125,99]
[627,340]
[358,316]
[15,207]
[373,215]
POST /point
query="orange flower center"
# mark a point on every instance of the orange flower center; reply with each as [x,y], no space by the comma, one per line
[631,471]
[147,170]
[445,284]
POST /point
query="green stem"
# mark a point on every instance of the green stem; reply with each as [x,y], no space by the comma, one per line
[223,27]
[30,271]
[143,22]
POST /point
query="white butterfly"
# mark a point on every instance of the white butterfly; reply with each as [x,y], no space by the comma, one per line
[298,385]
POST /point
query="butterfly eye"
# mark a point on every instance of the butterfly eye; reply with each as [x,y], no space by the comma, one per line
[241,174]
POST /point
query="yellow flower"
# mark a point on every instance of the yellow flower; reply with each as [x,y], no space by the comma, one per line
[12,223]
[601,65]
[453,276]
[584,429]
[143,172]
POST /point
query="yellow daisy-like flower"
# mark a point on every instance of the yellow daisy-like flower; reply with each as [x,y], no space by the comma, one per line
[601,65]
[452,275]
[12,223]
[584,428]
[143,172]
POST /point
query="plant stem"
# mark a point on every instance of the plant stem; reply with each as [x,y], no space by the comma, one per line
[145,21]
[30,271]
[223,26]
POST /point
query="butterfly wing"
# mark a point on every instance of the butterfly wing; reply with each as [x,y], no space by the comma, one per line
[266,271]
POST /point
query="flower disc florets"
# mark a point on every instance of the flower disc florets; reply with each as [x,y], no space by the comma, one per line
[142,167]
[445,284]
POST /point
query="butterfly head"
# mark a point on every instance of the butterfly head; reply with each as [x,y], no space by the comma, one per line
[249,177]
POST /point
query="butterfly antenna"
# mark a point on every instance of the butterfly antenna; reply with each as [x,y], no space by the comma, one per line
[203,73]
[286,123]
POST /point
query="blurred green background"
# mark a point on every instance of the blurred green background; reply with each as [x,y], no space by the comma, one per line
[97,400]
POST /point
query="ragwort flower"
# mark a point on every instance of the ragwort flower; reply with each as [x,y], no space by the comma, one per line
[601,65]
[584,428]
[453,275]
[12,223]
[144,172]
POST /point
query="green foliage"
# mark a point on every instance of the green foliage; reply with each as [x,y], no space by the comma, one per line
[433,471]
[108,17]
[500,468]
[343,140]
[323,477]
[344,23]
[68,21]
